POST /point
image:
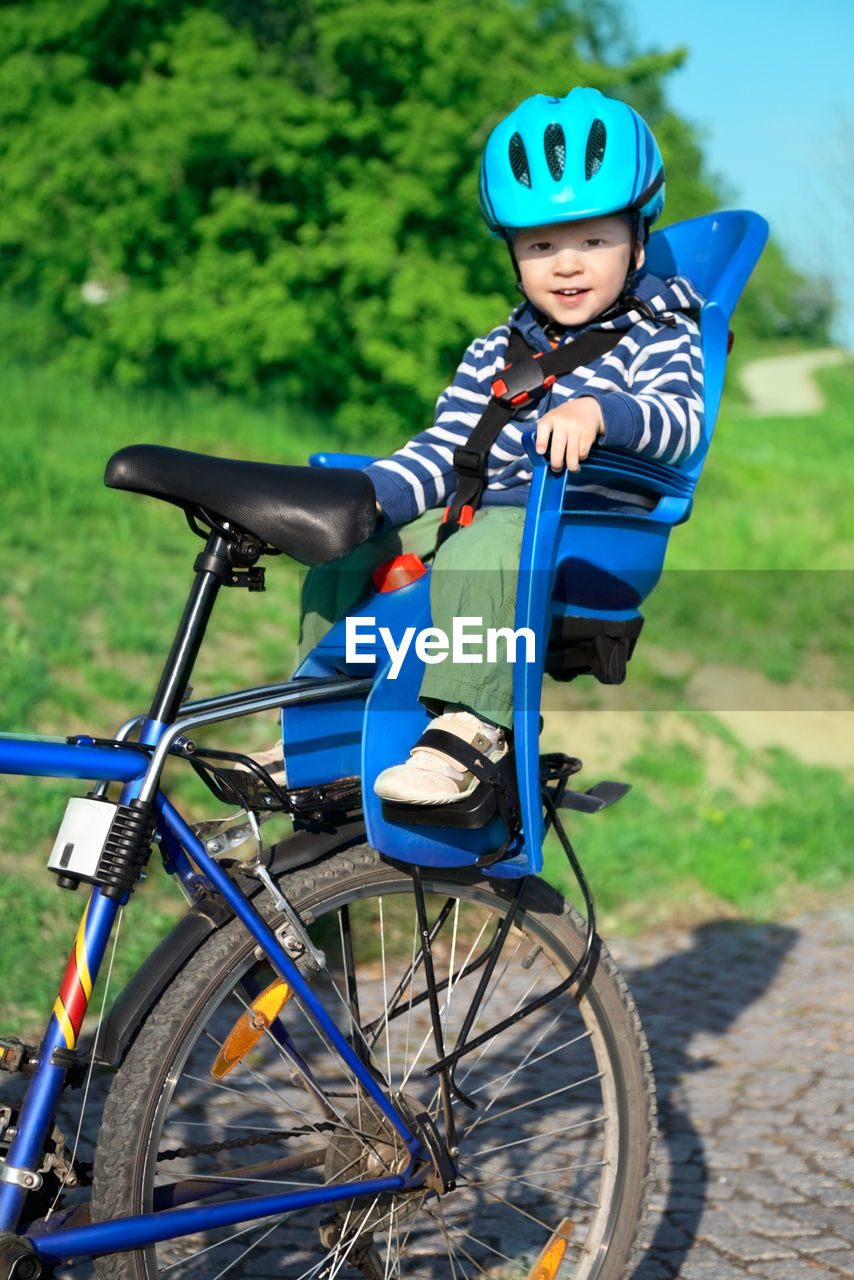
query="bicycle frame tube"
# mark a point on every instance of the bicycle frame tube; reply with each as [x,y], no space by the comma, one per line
[84,962]
[53,758]
[26,1148]
[169,1224]
[38,757]
[57,758]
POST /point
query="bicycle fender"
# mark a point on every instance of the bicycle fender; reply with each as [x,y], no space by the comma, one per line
[134,1003]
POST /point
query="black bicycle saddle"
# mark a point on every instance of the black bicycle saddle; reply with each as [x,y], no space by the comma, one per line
[313,514]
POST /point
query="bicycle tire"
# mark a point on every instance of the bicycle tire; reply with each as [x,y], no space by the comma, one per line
[570,1089]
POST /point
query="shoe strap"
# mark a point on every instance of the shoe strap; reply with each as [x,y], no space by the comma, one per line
[478,742]
[484,769]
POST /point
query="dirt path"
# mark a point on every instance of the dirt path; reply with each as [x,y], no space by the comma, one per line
[815,725]
[783,385]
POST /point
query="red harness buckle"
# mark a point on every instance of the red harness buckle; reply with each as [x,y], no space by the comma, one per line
[502,388]
[466,515]
[399,572]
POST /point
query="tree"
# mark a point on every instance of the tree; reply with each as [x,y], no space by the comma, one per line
[281,192]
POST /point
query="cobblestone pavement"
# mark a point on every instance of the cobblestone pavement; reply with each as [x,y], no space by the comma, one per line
[751,1030]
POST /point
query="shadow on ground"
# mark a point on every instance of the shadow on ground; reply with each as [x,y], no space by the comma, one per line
[686,1000]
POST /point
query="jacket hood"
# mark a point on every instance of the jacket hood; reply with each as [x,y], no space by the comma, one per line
[650,297]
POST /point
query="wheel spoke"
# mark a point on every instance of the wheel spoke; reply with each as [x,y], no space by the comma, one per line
[535,1137]
[385,995]
[449,1244]
[218,1244]
[249,1249]
[488,1189]
[520,1002]
[533,1102]
[531,1062]
[517,1208]
[468,1235]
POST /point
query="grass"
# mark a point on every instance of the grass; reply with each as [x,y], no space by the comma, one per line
[759,579]
[39,923]
[761,576]
[682,846]
[99,577]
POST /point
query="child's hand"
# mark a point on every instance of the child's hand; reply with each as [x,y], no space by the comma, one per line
[574,428]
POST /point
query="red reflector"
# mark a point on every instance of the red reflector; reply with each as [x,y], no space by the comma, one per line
[399,572]
[730,341]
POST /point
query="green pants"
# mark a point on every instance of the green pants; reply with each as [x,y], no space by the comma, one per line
[474,576]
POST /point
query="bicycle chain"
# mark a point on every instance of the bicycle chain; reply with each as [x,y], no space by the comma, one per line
[210,1148]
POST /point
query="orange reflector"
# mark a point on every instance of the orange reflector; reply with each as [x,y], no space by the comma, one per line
[548,1264]
[250,1027]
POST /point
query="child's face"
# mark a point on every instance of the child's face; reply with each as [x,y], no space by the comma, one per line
[573,271]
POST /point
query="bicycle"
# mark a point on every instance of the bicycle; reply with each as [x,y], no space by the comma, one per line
[298,1027]
[340,1062]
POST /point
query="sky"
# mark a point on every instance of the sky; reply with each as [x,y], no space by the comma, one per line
[771,88]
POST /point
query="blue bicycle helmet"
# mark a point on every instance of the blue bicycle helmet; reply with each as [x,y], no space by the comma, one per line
[563,159]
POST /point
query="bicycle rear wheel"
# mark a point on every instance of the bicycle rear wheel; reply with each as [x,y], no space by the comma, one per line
[562,1129]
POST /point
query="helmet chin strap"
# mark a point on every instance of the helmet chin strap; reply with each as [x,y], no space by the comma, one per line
[636,226]
[508,239]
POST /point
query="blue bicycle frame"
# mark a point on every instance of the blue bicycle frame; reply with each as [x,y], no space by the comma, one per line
[187,858]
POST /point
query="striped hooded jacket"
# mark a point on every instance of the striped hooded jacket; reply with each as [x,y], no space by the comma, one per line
[649,387]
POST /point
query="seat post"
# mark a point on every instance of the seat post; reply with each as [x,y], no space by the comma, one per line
[213,568]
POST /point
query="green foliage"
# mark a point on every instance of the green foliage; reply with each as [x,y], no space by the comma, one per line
[679,838]
[780,303]
[279,192]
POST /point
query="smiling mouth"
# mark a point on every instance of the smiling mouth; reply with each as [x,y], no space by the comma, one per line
[570,293]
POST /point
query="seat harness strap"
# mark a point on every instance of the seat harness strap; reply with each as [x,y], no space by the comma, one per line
[526,376]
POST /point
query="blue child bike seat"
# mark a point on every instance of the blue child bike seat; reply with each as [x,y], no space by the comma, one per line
[576,564]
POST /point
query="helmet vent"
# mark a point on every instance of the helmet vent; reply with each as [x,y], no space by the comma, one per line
[595,153]
[554,143]
[519,160]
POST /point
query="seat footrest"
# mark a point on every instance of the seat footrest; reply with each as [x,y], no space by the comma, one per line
[472,813]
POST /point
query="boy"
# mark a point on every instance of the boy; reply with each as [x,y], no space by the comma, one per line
[572,185]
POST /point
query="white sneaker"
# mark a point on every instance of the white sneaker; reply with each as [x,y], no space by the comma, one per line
[431,776]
